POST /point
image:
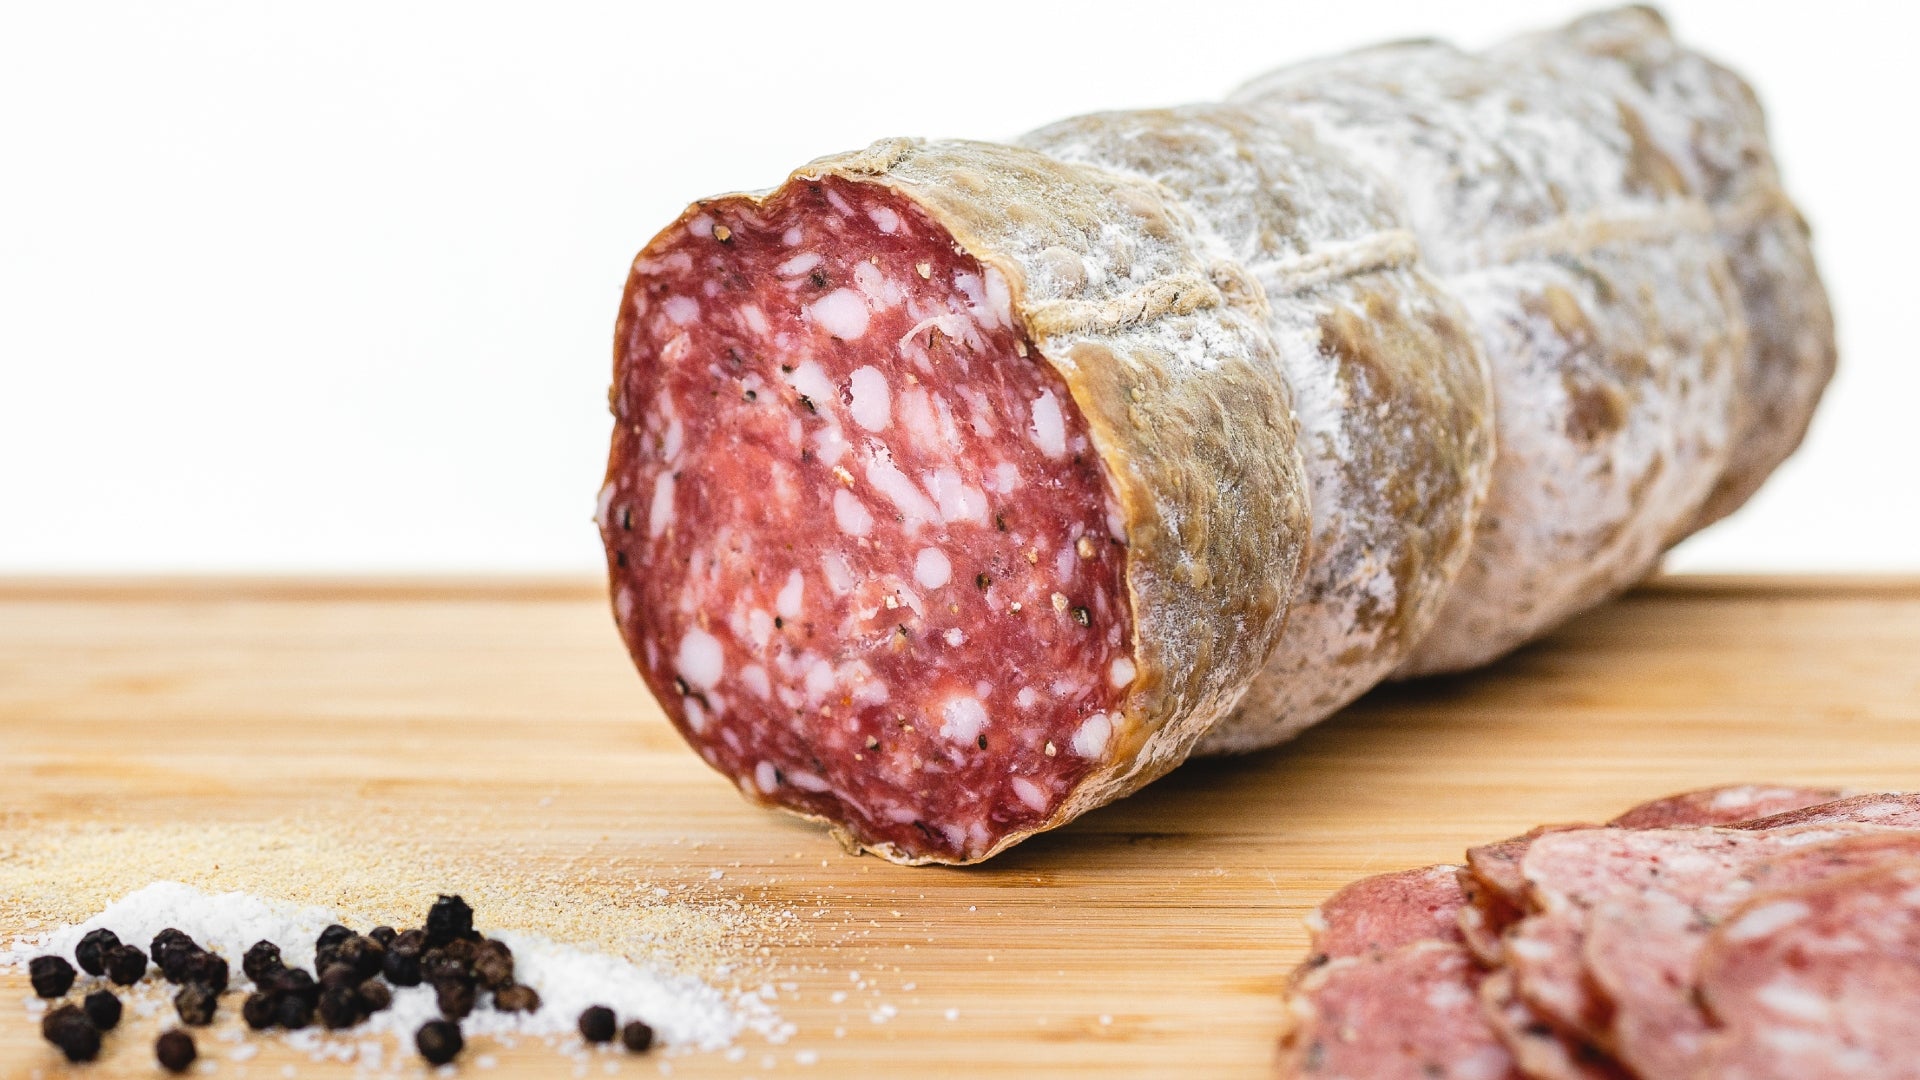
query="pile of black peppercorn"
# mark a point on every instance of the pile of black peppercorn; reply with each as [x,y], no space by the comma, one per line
[356,974]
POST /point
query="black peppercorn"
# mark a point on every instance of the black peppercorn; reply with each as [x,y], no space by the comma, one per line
[449,919]
[51,975]
[456,997]
[516,999]
[205,968]
[331,936]
[295,982]
[294,1013]
[493,965]
[262,962]
[374,996]
[167,940]
[69,1029]
[597,1024]
[339,974]
[261,1009]
[637,1036]
[178,960]
[438,1041]
[103,1009]
[175,1050]
[126,964]
[339,1007]
[402,969]
[362,953]
[438,964]
[196,1004]
[92,951]
[409,943]
[383,934]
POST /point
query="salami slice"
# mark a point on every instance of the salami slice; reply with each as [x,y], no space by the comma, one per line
[1411,1013]
[1386,911]
[1893,810]
[1540,1051]
[1571,874]
[1642,951]
[1721,806]
[1822,980]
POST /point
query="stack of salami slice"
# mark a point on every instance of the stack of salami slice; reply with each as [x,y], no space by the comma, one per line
[1739,932]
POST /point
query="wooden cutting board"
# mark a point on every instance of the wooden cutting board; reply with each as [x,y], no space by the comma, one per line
[501,724]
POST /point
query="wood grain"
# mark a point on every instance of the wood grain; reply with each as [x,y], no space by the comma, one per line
[1149,938]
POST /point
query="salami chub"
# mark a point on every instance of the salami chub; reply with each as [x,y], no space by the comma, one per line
[957,488]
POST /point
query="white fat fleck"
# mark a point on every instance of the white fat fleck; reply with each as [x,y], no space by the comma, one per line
[1049,428]
[1091,738]
[820,681]
[754,678]
[806,781]
[799,264]
[916,413]
[755,319]
[1026,698]
[900,490]
[839,574]
[602,504]
[962,717]
[957,501]
[979,411]
[830,444]
[660,511]
[673,440]
[681,309]
[700,660]
[841,313]
[1116,524]
[1029,793]
[872,405]
[787,603]
[955,637]
[623,604]
[1766,918]
[809,379]
[931,568]
[999,298]
[871,692]
[1784,997]
[880,292]
[1063,563]
[1004,478]
[792,238]
[1121,672]
[701,226]
[839,203]
[766,777]
[851,514]
[885,219]
[696,716]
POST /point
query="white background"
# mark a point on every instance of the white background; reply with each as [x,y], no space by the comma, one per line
[330,287]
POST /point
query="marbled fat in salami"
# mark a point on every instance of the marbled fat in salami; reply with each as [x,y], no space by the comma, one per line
[859,541]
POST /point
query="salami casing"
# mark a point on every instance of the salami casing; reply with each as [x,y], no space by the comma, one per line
[957,488]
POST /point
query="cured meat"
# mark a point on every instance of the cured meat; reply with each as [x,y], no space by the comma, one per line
[1642,951]
[1590,267]
[1893,810]
[1822,980]
[1410,1013]
[958,488]
[1570,874]
[1386,911]
[1540,1052]
[1390,389]
[1685,111]
[1721,806]
[892,538]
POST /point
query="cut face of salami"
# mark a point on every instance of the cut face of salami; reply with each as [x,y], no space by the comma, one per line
[861,548]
